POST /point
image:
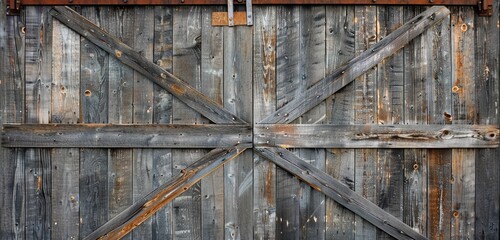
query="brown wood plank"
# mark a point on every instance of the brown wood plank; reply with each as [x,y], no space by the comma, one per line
[357,66]
[340,193]
[376,136]
[212,73]
[487,166]
[340,40]
[66,109]
[162,114]
[176,86]
[264,101]
[238,175]
[126,136]
[146,206]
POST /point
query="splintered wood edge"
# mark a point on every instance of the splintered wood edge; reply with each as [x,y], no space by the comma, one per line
[220,19]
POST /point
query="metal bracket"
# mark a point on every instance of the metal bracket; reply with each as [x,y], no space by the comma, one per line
[232,18]
[485,8]
[13,7]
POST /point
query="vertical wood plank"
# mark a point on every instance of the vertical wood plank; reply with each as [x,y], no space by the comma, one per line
[340,41]
[162,113]
[238,174]
[120,97]
[390,111]
[65,109]
[94,85]
[187,66]
[464,101]
[487,166]
[212,75]
[312,69]
[143,112]
[287,81]
[365,113]
[264,101]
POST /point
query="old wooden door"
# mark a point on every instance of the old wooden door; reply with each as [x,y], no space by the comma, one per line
[110,116]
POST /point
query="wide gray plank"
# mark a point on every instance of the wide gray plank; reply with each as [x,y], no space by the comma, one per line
[264,101]
[340,193]
[357,66]
[376,136]
[65,107]
[176,86]
[150,203]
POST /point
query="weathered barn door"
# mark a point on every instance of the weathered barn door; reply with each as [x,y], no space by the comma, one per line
[381,120]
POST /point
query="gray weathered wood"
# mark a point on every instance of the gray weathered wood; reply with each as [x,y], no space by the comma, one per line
[65,105]
[177,87]
[238,82]
[340,193]
[376,136]
[340,43]
[264,101]
[162,114]
[120,111]
[357,66]
[146,206]
[487,166]
[126,136]
[212,73]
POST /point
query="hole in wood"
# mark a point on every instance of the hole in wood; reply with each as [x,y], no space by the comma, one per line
[464,27]
[88,93]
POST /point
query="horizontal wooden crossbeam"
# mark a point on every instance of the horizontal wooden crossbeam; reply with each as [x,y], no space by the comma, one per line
[140,211]
[174,85]
[126,136]
[340,193]
[376,136]
[357,66]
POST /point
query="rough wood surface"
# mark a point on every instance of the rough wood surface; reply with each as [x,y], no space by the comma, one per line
[149,204]
[65,109]
[176,86]
[357,66]
[340,193]
[376,136]
[264,101]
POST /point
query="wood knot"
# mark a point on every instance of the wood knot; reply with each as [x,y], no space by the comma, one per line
[456,214]
[464,27]
[118,53]
[455,89]
[490,136]
[415,166]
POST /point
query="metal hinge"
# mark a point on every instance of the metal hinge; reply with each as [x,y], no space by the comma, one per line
[13,7]
[485,8]
[232,18]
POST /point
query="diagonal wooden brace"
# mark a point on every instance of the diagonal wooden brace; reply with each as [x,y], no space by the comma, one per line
[357,66]
[174,85]
[143,209]
[340,193]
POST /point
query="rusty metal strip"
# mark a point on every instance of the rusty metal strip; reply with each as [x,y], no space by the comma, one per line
[221,19]
[146,207]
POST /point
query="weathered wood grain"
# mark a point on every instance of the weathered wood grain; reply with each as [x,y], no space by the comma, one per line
[376,136]
[365,112]
[65,108]
[340,34]
[340,193]
[187,65]
[177,87]
[146,206]
[264,102]
[287,82]
[143,96]
[238,175]
[120,111]
[212,73]
[389,91]
[357,66]
[162,114]
[487,207]
[126,136]
[94,75]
